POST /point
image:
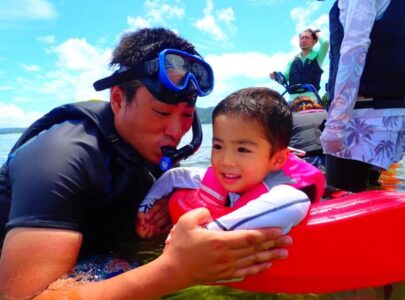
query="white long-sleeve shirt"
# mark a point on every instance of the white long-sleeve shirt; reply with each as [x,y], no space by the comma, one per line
[282,206]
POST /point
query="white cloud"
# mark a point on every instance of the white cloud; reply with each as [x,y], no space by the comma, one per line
[210,26]
[13,116]
[79,64]
[158,11]
[212,22]
[156,14]
[234,71]
[321,23]
[226,15]
[263,2]
[248,64]
[27,10]
[302,15]
[48,39]
[6,87]
[30,68]
[138,22]
[76,54]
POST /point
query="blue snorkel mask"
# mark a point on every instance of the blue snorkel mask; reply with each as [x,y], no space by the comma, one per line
[173,77]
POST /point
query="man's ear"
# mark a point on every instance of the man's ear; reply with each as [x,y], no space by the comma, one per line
[280,158]
[117,99]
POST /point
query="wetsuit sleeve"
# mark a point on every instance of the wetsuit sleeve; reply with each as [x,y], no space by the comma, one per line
[323,49]
[182,177]
[50,179]
[283,207]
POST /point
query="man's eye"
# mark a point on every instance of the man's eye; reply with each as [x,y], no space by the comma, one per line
[188,115]
[216,147]
[161,112]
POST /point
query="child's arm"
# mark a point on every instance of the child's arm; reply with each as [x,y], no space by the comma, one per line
[283,206]
[153,217]
[181,177]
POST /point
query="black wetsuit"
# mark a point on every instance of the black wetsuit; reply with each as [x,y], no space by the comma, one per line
[70,170]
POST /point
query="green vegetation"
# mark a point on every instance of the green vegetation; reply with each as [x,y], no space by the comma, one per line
[11,130]
[325,100]
[205,114]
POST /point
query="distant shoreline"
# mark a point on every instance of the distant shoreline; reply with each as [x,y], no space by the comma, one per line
[203,113]
[11,130]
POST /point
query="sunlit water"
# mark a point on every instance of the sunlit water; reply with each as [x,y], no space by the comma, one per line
[138,253]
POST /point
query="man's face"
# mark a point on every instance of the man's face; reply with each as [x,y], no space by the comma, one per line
[148,124]
[307,42]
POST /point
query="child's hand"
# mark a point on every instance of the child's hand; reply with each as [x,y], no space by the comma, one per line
[142,227]
[155,221]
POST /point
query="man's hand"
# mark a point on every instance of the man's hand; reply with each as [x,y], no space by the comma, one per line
[197,255]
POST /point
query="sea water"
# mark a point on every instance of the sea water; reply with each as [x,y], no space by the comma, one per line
[201,158]
[145,251]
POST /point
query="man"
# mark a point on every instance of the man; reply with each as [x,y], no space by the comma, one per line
[306,66]
[365,128]
[72,183]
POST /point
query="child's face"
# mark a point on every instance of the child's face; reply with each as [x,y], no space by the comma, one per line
[240,153]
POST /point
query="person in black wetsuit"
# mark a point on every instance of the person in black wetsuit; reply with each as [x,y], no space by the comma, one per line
[72,184]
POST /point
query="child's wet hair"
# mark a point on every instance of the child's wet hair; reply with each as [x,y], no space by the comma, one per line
[263,106]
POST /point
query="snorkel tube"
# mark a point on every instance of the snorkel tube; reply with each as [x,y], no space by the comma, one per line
[172,156]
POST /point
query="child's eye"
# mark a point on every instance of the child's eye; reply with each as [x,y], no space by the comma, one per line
[216,147]
[243,150]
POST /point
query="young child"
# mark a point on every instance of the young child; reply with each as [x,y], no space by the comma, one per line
[251,133]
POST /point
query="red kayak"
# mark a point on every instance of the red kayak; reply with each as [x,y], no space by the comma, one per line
[353,242]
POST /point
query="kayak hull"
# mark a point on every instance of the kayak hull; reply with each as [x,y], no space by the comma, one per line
[353,242]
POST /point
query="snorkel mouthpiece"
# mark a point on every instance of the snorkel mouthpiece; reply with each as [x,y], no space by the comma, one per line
[173,156]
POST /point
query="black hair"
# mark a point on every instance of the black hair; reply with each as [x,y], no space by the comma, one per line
[263,106]
[135,48]
[312,32]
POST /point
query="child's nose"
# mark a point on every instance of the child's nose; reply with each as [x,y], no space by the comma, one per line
[228,160]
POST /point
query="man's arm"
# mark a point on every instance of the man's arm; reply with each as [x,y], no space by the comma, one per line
[33,258]
[323,47]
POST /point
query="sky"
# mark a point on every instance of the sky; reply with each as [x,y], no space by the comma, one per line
[51,52]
